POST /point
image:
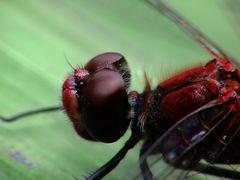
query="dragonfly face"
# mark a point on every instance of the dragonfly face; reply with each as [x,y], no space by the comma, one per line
[95,98]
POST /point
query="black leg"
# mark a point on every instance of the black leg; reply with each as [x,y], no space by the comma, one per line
[110,165]
[145,170]
[29,113]
[215,171]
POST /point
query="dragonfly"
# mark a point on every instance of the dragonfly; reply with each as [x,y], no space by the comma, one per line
[186,159]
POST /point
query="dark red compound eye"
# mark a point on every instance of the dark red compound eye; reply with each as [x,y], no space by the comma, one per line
[105,106]
[110,60]
[95,98]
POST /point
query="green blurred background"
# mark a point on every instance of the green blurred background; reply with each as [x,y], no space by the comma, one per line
[35,37]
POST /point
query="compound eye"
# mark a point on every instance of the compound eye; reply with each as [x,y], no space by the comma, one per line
[105,106]
[95,98]
[113,61]
[102,61]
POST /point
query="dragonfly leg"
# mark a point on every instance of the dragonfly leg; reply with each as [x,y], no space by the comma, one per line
[110,165]
[215,171]
[144,167]
[29,113]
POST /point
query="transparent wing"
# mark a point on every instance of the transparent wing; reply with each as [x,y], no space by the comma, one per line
[232,13]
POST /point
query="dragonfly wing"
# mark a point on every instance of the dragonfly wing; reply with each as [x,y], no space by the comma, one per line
[214,49]
[190,131]
[182,144]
